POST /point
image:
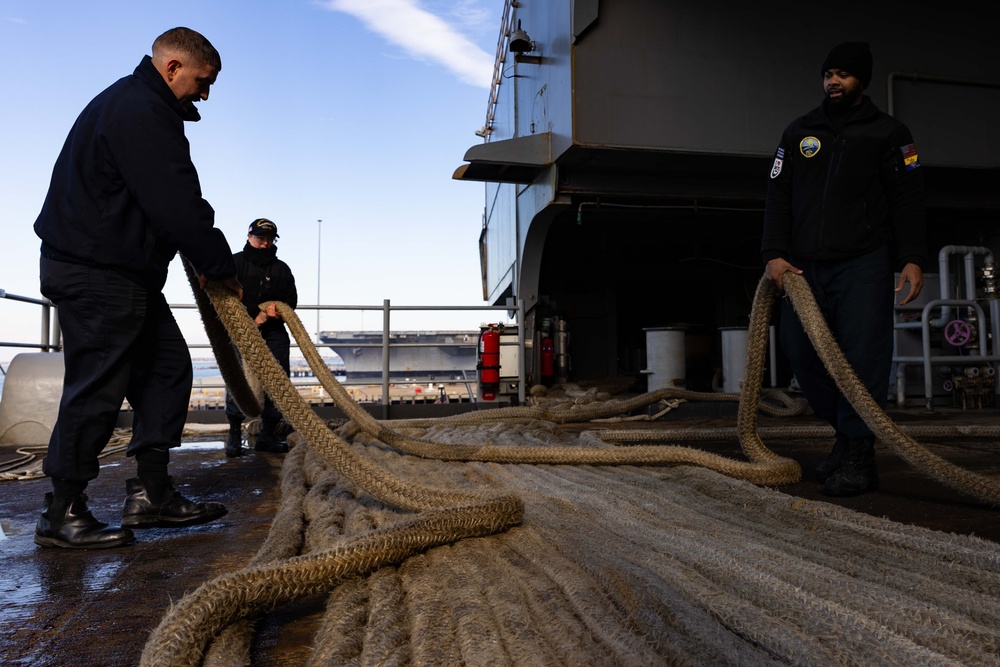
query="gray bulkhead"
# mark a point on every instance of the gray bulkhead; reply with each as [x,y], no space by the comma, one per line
[625,157]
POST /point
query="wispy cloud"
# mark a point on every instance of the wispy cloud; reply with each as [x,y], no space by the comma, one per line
[474,14]
[423,35]
[15,20]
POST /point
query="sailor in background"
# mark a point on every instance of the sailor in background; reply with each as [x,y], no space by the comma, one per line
[844,208]
[264,278]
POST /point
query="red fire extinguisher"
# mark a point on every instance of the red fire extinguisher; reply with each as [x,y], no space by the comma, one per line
[548,360]
[489,362]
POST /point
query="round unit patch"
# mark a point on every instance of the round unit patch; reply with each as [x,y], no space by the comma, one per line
[809,146]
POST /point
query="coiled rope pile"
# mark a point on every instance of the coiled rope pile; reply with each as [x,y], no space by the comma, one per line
[27,465]
[700,577]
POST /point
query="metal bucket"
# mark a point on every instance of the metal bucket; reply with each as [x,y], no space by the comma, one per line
[734,358]
[665,364]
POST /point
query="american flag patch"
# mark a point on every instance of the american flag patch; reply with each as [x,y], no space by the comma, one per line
[909,157]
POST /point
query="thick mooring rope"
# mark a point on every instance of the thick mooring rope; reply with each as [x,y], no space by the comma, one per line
[649,566]
[764,466]
[921,458]
[28,464]
[239,385]
[445,516]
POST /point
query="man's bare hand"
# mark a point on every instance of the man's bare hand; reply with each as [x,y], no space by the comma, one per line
[231,284]
[234,285]
[912,274]
[269,311]
[775,270]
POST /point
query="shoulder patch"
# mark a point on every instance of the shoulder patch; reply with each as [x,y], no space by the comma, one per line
[809,146]
[779,159]
[910,156]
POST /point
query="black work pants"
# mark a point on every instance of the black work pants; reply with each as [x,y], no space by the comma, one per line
[120,342]
[856,298]
[276,338]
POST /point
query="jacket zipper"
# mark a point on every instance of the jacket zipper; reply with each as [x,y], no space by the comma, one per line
[831,168]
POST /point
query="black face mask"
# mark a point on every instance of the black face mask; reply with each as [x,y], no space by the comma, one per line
[261,256]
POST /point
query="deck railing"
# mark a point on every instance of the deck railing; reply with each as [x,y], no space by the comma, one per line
[50,339]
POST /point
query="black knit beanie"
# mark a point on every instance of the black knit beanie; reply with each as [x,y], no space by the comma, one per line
[852,57]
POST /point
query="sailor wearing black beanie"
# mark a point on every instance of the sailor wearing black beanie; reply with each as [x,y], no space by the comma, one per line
[845,210]
[852,57]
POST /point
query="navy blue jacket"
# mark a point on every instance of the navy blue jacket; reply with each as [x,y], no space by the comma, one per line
[124,193]
[836,196]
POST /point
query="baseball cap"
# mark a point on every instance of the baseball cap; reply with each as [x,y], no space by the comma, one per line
[263,227]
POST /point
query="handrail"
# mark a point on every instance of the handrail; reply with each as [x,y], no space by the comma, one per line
[927,359]
[47,345]
[46,342]
[914,76]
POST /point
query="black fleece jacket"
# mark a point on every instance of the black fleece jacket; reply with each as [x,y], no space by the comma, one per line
[124,193]
[835,195]
[265,278]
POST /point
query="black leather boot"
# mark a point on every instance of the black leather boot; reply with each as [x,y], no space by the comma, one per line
[266,441]
[858,473]
[168,509]
[234,441]
[68,523]
[836,459]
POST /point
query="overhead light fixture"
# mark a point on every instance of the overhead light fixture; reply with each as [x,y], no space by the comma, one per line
[520,42]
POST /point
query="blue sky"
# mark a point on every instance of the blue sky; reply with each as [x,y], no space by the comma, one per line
[353,112]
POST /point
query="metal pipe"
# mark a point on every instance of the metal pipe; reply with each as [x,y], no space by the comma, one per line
[46,328]
[562,350]
[950,358]
[57,343]
[319,265]
[900,385]
[521,360]
[945,276]
[916,77]
[385,359]
[944,281]
[970,276]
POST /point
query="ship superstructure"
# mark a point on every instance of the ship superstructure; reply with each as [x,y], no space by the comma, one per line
[627,146]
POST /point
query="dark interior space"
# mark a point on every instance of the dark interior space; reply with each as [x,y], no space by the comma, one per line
[613,269]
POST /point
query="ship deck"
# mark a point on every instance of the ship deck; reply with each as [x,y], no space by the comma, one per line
[97,608]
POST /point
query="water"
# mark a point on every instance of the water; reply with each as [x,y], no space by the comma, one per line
[203,368]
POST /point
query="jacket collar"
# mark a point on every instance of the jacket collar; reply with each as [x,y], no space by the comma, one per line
[260,256]
[819,116]
[148,73]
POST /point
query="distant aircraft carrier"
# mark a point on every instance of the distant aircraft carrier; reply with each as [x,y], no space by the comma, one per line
[414,355]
